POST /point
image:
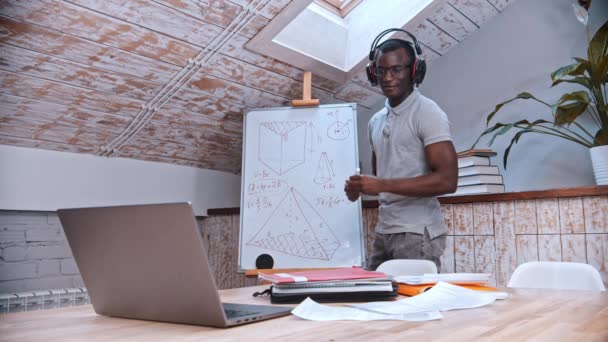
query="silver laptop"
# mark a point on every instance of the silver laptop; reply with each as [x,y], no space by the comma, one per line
[148,262]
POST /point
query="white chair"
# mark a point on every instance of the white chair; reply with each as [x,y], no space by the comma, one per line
[557,275]
[400,267]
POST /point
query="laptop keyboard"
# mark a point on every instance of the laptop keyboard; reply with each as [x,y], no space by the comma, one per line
[238,313]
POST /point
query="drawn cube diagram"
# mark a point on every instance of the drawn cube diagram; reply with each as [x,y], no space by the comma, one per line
[296,228]
[282,145]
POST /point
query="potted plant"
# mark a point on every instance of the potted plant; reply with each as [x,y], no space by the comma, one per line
[592,74]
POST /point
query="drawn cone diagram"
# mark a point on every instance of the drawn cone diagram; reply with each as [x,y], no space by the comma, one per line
[296,228]
[325,170]
[282,145]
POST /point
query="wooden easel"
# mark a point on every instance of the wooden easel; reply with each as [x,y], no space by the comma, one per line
[307,99]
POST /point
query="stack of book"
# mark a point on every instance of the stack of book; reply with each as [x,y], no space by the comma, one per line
[348,284]
[476,174]
[414,285]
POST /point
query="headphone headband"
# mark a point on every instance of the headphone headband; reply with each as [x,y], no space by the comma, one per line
[419,64]
[372,52]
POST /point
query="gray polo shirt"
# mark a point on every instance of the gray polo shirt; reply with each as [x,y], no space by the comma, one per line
[398,137]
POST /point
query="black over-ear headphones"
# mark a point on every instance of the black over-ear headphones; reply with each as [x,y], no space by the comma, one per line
[418,66]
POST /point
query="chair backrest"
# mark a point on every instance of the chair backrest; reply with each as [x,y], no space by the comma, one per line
[557,275]
[399,267]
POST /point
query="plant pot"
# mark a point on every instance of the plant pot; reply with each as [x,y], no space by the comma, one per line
[599,160]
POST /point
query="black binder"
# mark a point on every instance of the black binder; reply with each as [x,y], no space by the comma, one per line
[333,292]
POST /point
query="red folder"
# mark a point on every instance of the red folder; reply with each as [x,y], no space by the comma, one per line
[346,273]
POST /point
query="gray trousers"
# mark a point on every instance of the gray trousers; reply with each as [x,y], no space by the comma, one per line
[406,246]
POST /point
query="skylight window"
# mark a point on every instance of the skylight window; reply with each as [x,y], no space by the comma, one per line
[315,36]
[339,7]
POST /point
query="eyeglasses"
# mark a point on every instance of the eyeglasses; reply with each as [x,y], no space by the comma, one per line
[394,70]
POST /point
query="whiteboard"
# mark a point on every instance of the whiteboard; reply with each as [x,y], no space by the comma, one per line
[293,206]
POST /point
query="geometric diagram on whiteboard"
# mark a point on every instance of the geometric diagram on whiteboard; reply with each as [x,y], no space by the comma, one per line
[325,170]
[338,130]
[297,229]
[281,145]
[313,138]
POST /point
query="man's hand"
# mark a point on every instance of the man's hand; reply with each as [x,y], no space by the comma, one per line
[351,193]
[368,185]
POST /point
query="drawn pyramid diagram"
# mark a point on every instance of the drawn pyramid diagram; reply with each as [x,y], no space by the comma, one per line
[296,228]
[324,171]
[282,145]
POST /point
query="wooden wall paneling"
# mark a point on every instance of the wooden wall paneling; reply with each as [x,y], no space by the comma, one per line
[237,278]
[504,225]
[501,4]
[464,254]
[463,219]
[199,103]
[31,87]
[16,127]
[235,92]
[172,116]
[597,253]
[369,227]
[483,219]
[431,36]
[212,225]
[24,109]
[354,92]
[215,160]
[526,248]
[200,222]
[525,217]
[485,256]
[547,216]
[571,217]
[448,217]
[447,258]
[39,65]
[52,42]
[452,21]
[219,13]
[272,8]
[207,139]
[478,11]
[101,28]
[227,255]
[549,247]
[574,248]
[595,209]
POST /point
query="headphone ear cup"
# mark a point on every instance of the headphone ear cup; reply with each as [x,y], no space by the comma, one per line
[370,71]
[420,71]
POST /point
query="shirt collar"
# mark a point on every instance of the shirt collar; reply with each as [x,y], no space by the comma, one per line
[409,100]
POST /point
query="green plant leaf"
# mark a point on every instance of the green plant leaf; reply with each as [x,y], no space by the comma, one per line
[580,80]
[514,140]
[576,69]
[523,95]
[567,113]
[597,54]
[599,44]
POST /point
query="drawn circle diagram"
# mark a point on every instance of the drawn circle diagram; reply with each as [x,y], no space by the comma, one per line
[338,131]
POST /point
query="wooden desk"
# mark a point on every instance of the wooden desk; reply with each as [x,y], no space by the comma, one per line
[529,314]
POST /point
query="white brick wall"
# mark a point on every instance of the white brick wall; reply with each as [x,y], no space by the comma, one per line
[34,254]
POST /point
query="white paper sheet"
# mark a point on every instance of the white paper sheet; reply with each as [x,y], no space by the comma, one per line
[311,310]
[441,297]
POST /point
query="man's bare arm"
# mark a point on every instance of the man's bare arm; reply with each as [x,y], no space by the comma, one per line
[442,179]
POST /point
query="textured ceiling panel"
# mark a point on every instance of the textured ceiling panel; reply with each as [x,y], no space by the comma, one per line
[165,80]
